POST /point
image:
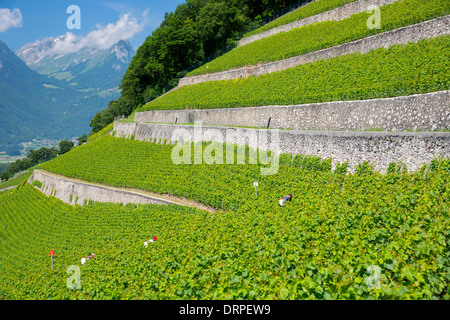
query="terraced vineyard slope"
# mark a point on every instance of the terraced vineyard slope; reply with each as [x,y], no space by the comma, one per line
[319,246]
[397,71]
[326,34]
[308,10]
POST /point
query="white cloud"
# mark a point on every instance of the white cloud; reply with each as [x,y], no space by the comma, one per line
[103,38]
[10,19]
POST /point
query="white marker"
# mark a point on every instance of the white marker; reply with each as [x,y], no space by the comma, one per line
[255,184]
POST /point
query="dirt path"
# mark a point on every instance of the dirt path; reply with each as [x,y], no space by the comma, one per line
[169,197]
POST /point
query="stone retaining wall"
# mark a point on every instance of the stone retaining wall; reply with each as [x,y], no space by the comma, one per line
[337,14]
[421,112]
[75,192]
[8,188]
[379,148]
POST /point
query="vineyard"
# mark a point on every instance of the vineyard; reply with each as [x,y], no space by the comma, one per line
[32,225]
[397,71]
[345,235]
[304,12]
[16,180]
[100,133]
[319,246]
[326,34]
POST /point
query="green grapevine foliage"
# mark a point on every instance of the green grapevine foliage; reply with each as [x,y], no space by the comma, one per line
[319,246]
[397,71]
[309,10]
[326,34]
[105,130]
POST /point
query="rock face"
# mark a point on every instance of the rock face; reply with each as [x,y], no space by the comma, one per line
[34,53]
[40,52]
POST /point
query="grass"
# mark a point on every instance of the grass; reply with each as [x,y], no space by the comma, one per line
[102,132]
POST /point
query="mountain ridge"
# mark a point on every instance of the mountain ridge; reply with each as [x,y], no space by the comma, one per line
[83,69]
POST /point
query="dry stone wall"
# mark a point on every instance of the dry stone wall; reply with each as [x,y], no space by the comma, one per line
[379,148]
[6,189]
[421,112]
[76,192]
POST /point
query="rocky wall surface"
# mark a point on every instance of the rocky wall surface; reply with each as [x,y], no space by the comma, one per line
[420,112]
[379,148]
[76,192]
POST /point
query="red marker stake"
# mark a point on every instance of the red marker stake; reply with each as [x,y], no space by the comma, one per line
[51,254]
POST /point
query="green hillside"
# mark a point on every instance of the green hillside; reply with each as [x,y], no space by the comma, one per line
[33,106]
[26,105]
[21,178]
[109,231]
[341,228]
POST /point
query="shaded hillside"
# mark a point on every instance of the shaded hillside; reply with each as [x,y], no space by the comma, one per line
[29,101]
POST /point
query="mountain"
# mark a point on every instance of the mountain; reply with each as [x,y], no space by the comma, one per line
[54,96]
[86,69]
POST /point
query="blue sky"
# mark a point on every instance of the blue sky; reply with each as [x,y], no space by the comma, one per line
[25,21]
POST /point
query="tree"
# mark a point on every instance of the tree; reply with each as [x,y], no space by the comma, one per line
[4,176]
[33,158]
[195,30]
[41,155]
[217,22]
[82,139]
[65,146]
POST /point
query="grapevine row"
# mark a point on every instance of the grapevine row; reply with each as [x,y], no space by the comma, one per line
[309,10]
